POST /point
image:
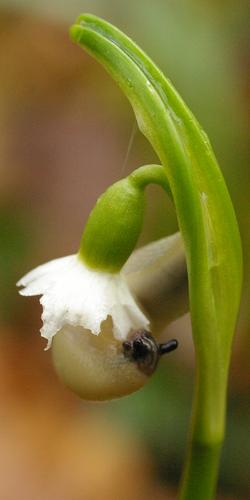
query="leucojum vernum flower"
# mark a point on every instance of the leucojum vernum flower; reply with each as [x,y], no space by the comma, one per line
[104,307]
[95,314]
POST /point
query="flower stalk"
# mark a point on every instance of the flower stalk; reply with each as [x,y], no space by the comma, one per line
[208,226]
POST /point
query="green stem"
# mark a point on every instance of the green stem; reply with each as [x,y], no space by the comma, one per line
[151,174]
[200,473]
[207,223]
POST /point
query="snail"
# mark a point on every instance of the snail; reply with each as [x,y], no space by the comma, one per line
[101,367]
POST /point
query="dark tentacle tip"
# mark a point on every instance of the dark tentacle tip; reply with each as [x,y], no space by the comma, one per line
[169,346]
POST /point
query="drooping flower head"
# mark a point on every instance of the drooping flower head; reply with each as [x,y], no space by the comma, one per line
[90,315]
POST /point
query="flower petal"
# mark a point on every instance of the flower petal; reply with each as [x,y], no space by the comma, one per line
[73,294]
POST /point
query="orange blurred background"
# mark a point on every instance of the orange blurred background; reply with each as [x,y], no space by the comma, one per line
[65,130]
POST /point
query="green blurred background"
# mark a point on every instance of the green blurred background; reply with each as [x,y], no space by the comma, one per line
[65,130]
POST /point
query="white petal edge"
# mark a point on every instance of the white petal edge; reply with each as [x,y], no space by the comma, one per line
[73,294]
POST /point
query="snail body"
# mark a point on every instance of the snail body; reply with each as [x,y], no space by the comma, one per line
[93,366]
[100,367]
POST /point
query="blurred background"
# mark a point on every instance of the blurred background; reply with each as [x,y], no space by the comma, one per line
[66,133]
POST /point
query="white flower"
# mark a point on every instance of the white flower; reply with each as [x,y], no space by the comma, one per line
[73,294]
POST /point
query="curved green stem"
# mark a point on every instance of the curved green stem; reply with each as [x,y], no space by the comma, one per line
[151,174]
[205,215]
